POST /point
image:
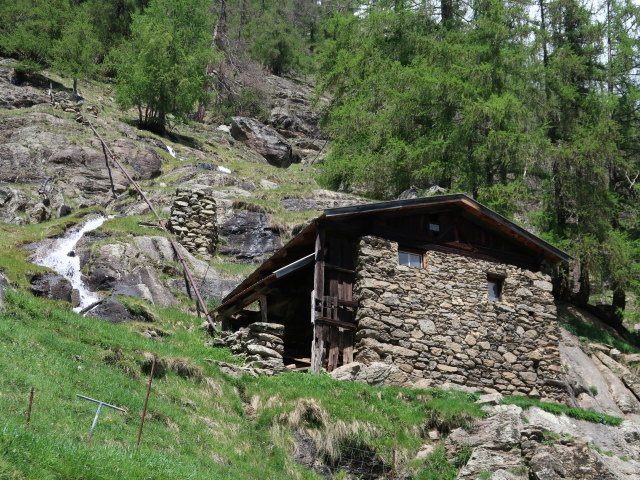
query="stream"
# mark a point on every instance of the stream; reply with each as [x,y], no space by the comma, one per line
[60,257]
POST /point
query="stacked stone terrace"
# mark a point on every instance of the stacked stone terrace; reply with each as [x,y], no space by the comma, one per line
[437,322]
[193,220]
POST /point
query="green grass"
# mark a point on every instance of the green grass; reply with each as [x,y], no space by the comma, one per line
[201,424]
[558,409]
[589,332]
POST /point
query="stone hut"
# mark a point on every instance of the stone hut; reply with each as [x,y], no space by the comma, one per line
[442,288]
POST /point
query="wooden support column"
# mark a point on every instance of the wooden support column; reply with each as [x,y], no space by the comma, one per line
[317,347]
[263,308]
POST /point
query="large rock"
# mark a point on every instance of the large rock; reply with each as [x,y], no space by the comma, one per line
[145,161]
[4,286]
[376,373]
[264,140]
[52,286]
[248,235]
[112,311]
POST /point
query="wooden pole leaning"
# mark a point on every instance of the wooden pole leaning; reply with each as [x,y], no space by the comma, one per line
[161,223]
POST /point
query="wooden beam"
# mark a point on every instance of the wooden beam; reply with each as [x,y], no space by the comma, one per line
[317,347]
[336,323]
[263,308]
[330,266]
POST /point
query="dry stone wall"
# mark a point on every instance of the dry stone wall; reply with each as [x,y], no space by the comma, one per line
[193,220]
[437,323]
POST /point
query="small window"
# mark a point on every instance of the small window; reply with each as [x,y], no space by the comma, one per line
[434,227]
[410,259]
[494,288]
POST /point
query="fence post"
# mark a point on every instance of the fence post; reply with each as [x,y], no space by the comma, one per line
[146,401]
[393,457]
[30,405]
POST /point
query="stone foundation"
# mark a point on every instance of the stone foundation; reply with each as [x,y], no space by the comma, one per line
[437,322]
[193,221]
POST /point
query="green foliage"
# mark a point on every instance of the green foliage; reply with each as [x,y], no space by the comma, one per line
[558,409]
[29,29]
[161,68]
[594,390]
[75,53]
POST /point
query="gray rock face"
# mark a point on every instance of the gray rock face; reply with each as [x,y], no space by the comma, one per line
[264,140]
[248,235]
[17,96]
[52,286]
[145,161]
[546,447]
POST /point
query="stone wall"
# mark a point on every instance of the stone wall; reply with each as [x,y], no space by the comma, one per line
[193,220]
[437,323]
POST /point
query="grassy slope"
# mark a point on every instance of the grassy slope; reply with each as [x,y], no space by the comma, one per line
[201,423]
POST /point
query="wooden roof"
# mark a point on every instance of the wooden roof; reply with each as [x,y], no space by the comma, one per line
[302,245]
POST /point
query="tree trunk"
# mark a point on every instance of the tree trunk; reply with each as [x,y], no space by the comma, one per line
[218,41]
[75,87]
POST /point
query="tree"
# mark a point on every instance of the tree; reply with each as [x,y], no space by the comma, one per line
[161,68]
[76,51]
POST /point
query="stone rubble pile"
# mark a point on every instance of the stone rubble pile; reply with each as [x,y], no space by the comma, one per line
[261,342]
[193,220]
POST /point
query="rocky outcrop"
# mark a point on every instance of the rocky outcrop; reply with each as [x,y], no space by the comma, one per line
[248,235]
[193,220]
[264,140]
[515,444]
[438,323]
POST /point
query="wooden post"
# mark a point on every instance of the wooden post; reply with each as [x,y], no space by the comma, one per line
[317,347]
[146,401]
[263,308]
[30,405]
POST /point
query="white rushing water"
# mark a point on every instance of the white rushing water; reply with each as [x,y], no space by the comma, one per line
[171,151]
[56,257]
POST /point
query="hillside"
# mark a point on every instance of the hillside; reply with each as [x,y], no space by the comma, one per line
[209,417]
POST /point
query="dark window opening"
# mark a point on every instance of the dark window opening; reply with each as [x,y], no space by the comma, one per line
[410,259]
[494,288]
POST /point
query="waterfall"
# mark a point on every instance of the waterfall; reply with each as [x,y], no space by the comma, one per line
[60,257]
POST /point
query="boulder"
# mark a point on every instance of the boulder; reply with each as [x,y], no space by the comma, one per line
[264,140]
[376,373]
[112,311]
[248,235]
[4,286]
[52,286]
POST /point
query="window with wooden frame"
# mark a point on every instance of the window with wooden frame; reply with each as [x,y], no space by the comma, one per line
[495,283]
[410,258]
